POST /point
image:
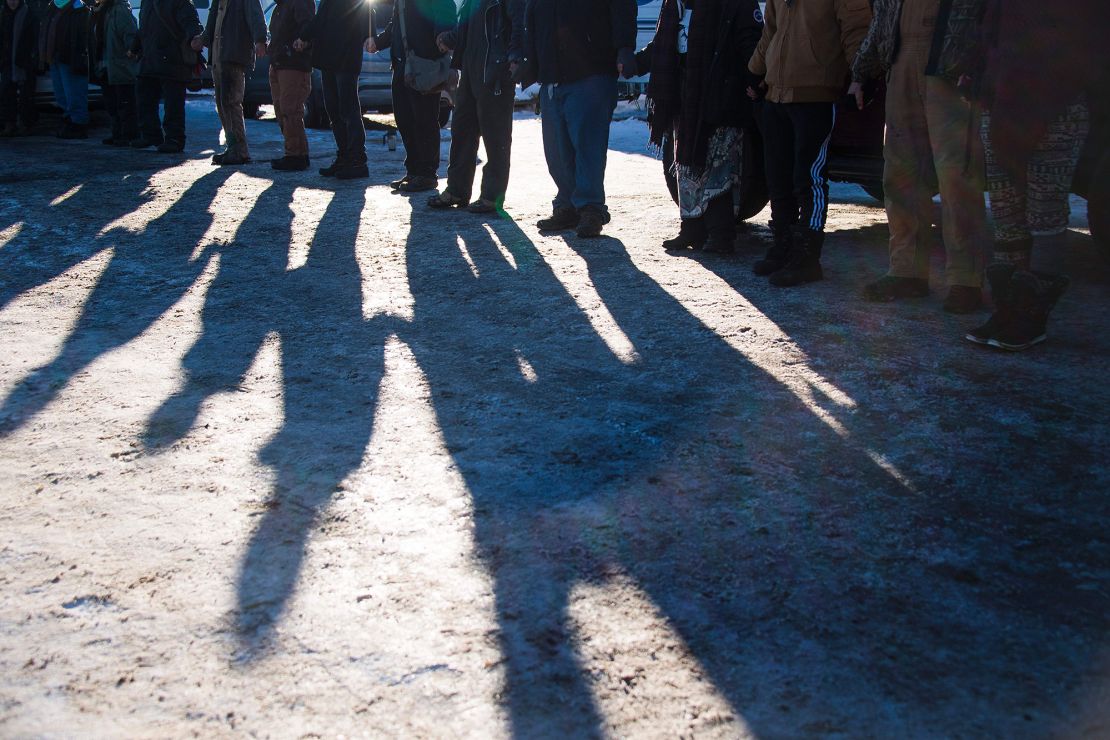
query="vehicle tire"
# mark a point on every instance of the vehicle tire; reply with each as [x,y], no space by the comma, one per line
[315,115]
[1098,204]
[753,182]
[875,190]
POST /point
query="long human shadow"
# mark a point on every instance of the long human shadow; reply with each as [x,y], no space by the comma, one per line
[331,363]
[801,572]
[148,272]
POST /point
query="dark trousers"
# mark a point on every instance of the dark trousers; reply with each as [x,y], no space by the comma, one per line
[417,117]
[479,113]
[576,119]
[121,103]
[171,127]
[17,100]
[795,148]
[345,112]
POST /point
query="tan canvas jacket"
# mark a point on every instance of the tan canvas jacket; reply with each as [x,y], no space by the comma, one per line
[807,46]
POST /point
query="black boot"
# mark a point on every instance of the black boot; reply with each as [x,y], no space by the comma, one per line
[720,222]
[74,131]
[998,276]
[1032,297]
[691,235]
[778,253]
[804,263]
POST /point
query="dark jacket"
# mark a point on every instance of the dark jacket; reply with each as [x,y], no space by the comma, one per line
[112,31]
[244,26]
[337,34]
[569,40]
[65,37]
[499,26]
[287,24]
[165,29]
[19,43]
[425,20]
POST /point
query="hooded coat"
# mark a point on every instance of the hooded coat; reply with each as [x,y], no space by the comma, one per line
[19,50]
[165,29]
[112,30]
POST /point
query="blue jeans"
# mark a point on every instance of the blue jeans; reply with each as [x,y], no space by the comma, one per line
[576,118]
[71,92]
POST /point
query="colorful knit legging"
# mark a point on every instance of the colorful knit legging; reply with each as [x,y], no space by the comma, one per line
[1040,204]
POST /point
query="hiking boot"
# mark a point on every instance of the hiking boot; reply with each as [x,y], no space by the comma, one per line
[352,171]
[998,277]
[218,157]
[891,288]
[446,199]
[331,169]
[691,235]
[590,223]
[171,147]
[482,206]
[234,159]
[74,131]
[804,263]
[1031,298]
[561,219]
[777,254]
[419,184]
[963,299]
[396,184]
[290,164]
[143,143]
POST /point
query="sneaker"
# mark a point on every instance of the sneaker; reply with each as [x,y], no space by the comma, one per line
[998,277]
[396,184]
[143,143]
[446,199]
[482,206]
[331,169]
[562,219]
[963,299]
[171,147]
[892,288]
[1031,298]
[804,264]
[984,333]
[419,184]
[354,171]
[290,164]
[778,253]
[590,223]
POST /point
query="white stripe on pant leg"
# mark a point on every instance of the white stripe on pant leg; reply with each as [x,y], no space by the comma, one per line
[819,203]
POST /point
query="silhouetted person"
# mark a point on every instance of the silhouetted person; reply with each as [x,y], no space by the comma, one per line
[169,32]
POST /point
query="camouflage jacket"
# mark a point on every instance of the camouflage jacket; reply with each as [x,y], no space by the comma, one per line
[955,44]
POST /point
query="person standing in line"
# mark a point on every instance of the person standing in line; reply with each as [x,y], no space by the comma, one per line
[112,31]
[697,108]
[336,36]
[66,50]
[290,79]
[166,46]
[488,46]
[576,50]
[1032,68]
[236,36]
[19,55]
[800,69]
[932,143]
[415,28]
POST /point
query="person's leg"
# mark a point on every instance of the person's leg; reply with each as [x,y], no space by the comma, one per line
[58,81]
[331,105]
[275,97]
[235,81]
[1052,169]
[495,113]
[8,101]
[589,107]
[111,107]
[405,116]
[29,112]
[354,147]
[1013,242]
[557,146]
[149,91]
[295,87]
[173,100]
[465,134]
[77,95]
[957,154]
[128,112]
[778,159]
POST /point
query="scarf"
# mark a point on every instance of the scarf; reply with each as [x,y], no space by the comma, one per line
[664,89]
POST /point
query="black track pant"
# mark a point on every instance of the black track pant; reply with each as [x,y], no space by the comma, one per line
[417,117]
[479,113]
[345,112]
[796,150]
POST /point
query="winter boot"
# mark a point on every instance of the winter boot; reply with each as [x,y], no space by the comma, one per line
[691,235]
[1032,298]
[1017,253]
[998,277]
[804,263]
[561,219]
[590,223]
[779,252]
[720,222]
[74,131]
[892,288]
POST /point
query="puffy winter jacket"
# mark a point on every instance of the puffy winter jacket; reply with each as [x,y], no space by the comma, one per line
[243,27]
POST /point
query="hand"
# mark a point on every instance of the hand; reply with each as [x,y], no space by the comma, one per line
[855,90]
[442,43]
[757,92]
[197,44]
[514,68]
[260,49]
[371,46]
[299,45]
[132,55]
[626,63]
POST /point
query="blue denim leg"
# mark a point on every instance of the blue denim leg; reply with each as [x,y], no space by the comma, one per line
[57,79]
[557,147]
[588,107]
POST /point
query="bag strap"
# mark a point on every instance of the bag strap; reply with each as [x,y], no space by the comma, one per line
[401,20]
[162,19]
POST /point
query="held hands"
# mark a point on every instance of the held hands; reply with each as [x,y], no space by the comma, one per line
[371,46]
[855,90]
[197,44]
[758,91]
[626,63]
[299,45]
[260,49]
